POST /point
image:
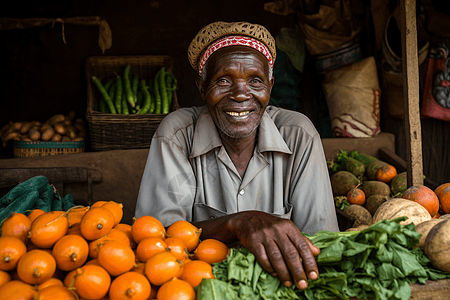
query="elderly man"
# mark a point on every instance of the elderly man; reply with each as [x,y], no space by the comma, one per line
[239,169]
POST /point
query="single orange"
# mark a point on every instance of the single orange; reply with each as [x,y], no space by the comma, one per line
[70,252]
[17,290]
[97,222]
[162,267]
[177,247]
[149,247]
[145,227]
[17,225]
[126,228]
[75,214]
[90,282]
[93,261]
[48,228]
[116,258]
[57,292]
[11,250]
[75,229]
[176,289]
[212,251]
[4,277]
[112,235]
[130,285]
[185,231]
[36,266]
[50,282]
[195,271]
[35,213]
[116,209]
[98,203]
[139,267]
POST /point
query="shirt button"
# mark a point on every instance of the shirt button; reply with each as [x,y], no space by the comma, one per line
[241,192]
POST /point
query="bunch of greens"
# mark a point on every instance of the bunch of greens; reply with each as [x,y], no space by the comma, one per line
[379,262]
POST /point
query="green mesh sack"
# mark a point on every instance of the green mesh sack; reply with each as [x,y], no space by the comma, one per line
[35,193]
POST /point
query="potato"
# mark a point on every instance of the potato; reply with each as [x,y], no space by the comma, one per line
[44,127]
[66,139]
[25,127]
[34,135]
[4,129]
[60,128]
[47,134]
[11,135]
[55,119]
[16,126]
[78,139]
[56,138]
[26,139]
[72,131]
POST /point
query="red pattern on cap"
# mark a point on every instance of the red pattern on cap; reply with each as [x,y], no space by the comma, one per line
[234,41]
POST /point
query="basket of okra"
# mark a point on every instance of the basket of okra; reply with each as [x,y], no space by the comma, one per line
[128,96]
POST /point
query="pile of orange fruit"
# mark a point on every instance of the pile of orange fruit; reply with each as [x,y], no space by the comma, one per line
[87,253]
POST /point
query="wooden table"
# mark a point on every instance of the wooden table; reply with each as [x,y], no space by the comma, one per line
[433,290]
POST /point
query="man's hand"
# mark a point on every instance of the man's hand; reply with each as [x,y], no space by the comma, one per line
[278,246]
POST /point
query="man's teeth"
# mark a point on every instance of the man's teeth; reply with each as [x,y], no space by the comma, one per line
[238,114]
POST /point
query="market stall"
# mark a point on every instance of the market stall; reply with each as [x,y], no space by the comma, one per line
[69,192]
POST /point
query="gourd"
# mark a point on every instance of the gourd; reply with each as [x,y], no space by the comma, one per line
[424,228]
[437,245]
[399,207]
[424,196]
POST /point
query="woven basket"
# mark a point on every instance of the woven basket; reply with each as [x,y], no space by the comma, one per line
[32,149]
[119,131]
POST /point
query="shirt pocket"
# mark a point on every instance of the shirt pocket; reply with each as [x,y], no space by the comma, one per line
[204,212]
[285,212]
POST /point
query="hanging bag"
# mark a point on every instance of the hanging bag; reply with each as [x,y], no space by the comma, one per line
[436,97]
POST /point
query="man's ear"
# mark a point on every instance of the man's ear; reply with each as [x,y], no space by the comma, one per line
[201,86]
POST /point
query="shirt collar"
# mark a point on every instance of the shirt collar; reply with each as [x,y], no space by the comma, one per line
[207,138]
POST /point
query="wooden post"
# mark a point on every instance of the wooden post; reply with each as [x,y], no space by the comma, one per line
[410,64]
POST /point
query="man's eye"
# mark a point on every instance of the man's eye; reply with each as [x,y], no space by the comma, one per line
[222,81]
[256,80]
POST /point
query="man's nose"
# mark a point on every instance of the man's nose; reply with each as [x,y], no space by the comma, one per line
[240,91]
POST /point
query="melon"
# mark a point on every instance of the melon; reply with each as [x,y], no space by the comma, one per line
[437,245]
[399,207]
[424,228]
[445,216]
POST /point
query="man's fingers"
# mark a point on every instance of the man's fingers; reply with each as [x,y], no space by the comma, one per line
[295,264]
[315,251]
[278,263]
[263,260]
[307,251]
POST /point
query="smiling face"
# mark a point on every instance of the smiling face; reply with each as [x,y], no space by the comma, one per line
[236,88]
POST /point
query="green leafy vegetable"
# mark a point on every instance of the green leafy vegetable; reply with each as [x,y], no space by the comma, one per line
[379,262]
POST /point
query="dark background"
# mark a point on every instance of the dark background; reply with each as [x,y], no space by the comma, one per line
[41,76]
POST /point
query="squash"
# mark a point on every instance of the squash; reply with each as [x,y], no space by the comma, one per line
[361,214]
[443,194]
[424,228]
[342,182]
[424,196]
[399,207]
[437,245]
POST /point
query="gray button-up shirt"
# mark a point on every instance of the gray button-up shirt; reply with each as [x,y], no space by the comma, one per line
[189,175]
